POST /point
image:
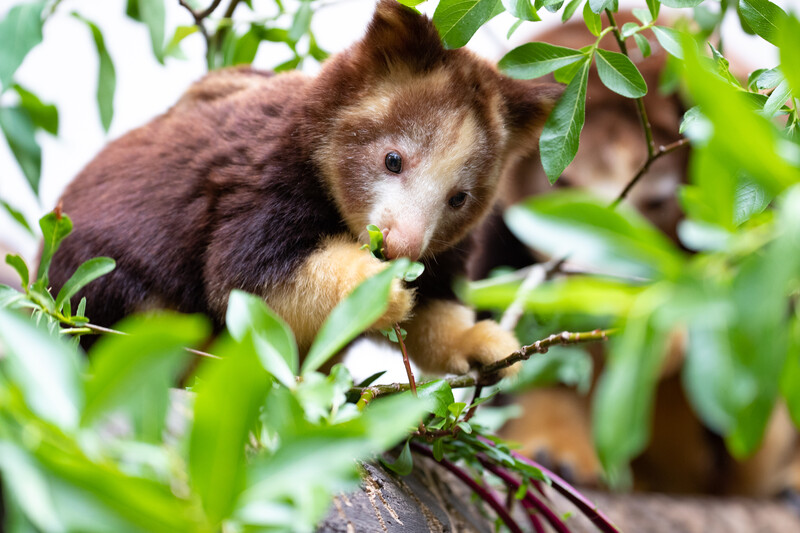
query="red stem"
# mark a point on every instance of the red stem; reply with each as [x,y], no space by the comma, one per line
[482,492]
[589,509]
[530,502]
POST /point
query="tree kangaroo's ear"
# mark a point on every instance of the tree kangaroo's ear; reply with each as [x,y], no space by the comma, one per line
[398,38]
[528,103]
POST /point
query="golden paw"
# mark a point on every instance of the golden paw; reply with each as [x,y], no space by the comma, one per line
[401,301]
[486,343]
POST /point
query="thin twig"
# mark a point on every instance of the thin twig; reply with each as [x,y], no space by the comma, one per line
[490,371]
[406,362]
[482,492]
[662,150]
[648,130]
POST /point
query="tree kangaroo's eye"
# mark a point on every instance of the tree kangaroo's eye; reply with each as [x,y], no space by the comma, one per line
[394,162]
[457,200]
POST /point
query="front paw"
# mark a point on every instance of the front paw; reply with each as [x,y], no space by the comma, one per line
[486,343]
[401,301]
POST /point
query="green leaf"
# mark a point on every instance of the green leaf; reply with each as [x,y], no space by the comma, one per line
[438,449]
[567,74]
[404,463]
[412,3]
[173,48]
[558,142]
[592,20]
[572,224]
[767,78]
[18,264]
[532,60]
[623,400]
[619,74]
[20,31]
[653,6]
[788,40]
[18,216]
[151,351]
[670,40]
[19,130]
[458,20]
[375,245]
[301,22]
[522,9]
[629,28]
[440,393]
[354,314]
[9,298]
[55,227]
[572,6]
[85,274]
[644,15]
[225,411]
[46,370]
[642,43]
[415,270]
[152,13]
[682,3]
[791,372]
[272,337]
[106,77]
[598,6]
[43,115]
[777,99]
[763,17]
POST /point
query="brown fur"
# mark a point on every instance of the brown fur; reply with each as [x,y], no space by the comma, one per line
[683,455]
[265,183]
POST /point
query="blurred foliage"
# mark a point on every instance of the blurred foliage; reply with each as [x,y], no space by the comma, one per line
[270,439]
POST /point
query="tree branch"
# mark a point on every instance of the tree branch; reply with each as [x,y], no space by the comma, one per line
[488,374]
[662,150]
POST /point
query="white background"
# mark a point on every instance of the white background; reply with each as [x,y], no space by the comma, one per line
[63,70]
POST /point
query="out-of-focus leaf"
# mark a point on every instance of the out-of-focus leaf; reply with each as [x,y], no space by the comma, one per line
[20,31]
[173,48]
[623,400]
[703,236]
[30,488]
[572,6]
[669,40]
[43,115]
[272,337]
[302,21]
[790,376]
[522,9]
[653,6]
[583,229]
[17,215]
[122,365]
[18,264]
[644,15]
[749,199]
[9,297]
[619,74]
[643,44]
[770,160]
[788,40]
[575,294]
[532,60]
[598,6]
[458,20]
[106,75]
[353,315]
[152,13]
[592,19]
[558,142]
[85,274]
[681,3]
[55,227]
[46,370]
[763,17]
[225,411]
[19,130]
